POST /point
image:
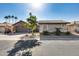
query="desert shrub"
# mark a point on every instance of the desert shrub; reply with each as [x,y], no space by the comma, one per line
[57,32]
[52,32]
[46,33]
[67,33]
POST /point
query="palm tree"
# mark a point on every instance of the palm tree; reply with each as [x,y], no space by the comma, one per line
[15,18]
[9,18]
[12,18]
[6,17]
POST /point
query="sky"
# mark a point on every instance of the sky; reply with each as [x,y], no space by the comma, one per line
[43,11]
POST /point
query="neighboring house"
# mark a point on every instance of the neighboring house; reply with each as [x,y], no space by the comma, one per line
[51,25]
[19,27]
[73,26]
[6,27]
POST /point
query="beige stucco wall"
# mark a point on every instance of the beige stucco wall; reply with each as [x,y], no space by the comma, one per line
[52,27]
[2,29]
[5,27]
[20,28]
[77,27]
[72,27]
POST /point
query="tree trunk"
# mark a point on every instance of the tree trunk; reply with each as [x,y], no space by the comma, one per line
[32,33]
[9,20]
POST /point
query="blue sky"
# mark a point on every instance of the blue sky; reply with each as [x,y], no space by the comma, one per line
[47,11]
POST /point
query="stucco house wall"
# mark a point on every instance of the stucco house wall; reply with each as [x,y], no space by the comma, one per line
[73,26]
[51,26]
[19,27]
[5,27]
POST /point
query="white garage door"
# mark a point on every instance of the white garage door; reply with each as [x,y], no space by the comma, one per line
[2,30]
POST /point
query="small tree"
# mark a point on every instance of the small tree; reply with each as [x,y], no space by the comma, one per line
[6,18]
[31,23]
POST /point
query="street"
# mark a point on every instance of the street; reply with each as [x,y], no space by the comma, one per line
[47,48]
[5,46]
[52,47]
[57,48]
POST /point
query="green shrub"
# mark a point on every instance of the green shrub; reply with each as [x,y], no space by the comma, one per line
[52,32]
[67,33]
[46,33]
[58,32]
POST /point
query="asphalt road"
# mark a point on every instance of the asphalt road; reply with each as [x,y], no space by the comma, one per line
[5,46]
[47,48]
[57,48]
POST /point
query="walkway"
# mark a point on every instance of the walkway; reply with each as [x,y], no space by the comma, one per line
[11,37]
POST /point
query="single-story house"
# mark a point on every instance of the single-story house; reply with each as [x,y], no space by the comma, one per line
[73,26]
[19,27]
[51,25]
[6,27]
[44,25]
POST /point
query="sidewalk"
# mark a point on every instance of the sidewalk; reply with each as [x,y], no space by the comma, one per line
[18,36]
[10,37]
